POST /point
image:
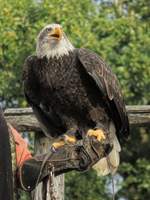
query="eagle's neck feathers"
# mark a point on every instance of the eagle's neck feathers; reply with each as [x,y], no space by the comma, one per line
[63,47]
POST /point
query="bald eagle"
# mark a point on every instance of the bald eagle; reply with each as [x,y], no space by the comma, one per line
[74,89]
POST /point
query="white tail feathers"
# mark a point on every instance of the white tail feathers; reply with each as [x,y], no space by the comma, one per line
[110,163]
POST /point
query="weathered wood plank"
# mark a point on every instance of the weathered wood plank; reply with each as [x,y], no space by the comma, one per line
[42,144]
[24,120]
[138,109]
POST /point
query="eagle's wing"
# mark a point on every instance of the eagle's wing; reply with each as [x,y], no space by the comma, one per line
[31,88]
[109,88]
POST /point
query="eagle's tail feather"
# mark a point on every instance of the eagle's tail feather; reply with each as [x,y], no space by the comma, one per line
[110,163]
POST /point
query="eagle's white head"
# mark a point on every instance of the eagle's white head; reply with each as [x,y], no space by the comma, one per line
[52,42]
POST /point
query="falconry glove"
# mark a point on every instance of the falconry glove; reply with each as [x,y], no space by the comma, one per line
[80,156]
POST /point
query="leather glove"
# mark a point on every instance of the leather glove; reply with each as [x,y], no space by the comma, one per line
[80,156]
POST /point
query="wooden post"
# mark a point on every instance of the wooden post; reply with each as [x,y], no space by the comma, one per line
[42,145]
[23,119]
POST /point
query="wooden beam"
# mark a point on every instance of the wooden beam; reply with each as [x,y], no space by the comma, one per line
[24,120]
[139,115]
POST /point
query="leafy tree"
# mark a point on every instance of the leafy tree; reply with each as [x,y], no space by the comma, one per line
[118,30]
[85,186]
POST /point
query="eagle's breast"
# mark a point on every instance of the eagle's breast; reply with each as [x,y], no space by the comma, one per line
[60,81]
[65,87]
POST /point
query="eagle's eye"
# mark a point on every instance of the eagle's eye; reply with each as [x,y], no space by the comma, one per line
[48,29]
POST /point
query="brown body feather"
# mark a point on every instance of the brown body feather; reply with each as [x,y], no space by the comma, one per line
[74,91]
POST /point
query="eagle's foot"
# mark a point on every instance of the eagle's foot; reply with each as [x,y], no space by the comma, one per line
[68,138]
[58,144]
[98,133]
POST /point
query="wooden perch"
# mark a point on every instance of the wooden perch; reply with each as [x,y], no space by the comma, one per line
[24,120]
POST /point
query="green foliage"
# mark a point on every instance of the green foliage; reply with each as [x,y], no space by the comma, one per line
[119,32]
[137,180]
[23,195]
[85,186]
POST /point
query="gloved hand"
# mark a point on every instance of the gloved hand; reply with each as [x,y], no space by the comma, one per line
[79,156]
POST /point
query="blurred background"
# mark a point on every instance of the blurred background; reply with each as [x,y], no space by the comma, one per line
[119,31]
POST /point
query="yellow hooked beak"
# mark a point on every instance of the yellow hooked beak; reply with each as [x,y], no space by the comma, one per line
[56,33]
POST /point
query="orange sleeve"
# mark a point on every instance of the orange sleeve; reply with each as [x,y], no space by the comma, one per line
[22,151]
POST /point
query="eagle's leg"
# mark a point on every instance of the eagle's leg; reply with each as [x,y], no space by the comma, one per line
[68,138]
[98,133]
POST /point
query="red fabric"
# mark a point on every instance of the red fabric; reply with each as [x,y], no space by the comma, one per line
[22,151]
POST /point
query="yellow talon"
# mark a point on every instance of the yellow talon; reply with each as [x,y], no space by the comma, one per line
[70,139]
[99,134]
[59,144]
[67,139]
